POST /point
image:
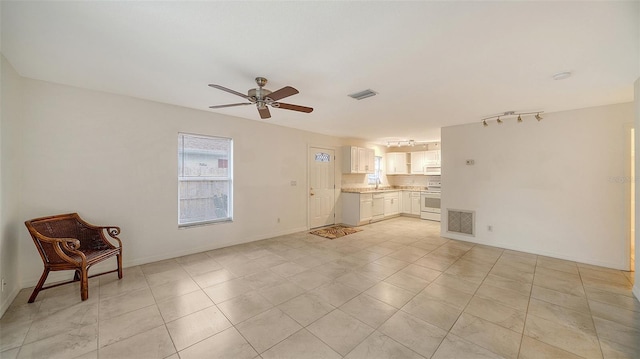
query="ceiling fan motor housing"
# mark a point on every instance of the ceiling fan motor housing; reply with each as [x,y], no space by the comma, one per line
[258,93]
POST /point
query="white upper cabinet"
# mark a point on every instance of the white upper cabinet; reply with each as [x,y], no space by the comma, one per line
[432,158]
[425,162]
[396,163]
[418,162]
[358,160]
[366,158]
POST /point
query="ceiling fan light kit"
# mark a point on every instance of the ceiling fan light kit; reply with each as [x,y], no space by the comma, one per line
[500,118]
[263,98]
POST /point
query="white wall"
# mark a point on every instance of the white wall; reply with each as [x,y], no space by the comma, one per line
[10,106]
[549,187]
[113,159]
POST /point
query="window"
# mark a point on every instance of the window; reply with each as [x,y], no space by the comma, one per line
[375,176]
[205,187]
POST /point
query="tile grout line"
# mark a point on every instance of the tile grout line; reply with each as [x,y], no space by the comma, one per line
[526,313]
[467,305]
[590,313]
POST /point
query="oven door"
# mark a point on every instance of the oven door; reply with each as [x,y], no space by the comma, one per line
[430,202]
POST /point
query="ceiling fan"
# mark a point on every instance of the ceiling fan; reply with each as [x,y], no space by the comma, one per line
[263,98]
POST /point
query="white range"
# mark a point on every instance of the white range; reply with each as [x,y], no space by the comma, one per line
[430,202]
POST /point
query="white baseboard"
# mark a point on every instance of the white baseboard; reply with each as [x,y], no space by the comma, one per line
[67,275]
[510,246]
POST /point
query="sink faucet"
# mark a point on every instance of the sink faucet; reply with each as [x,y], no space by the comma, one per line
[377,182]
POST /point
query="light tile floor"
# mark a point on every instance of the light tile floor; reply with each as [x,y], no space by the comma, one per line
[395,290]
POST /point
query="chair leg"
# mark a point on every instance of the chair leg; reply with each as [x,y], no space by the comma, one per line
[38,287]
[119,257]
[84,284]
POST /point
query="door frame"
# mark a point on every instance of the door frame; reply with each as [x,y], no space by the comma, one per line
[336,186]
[630,190]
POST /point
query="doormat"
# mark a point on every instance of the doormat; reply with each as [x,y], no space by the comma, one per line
[334,232]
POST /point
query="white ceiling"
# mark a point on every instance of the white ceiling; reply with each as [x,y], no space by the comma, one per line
[434,64]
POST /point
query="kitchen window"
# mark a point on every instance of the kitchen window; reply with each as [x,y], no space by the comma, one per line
[205,185]
[375,176]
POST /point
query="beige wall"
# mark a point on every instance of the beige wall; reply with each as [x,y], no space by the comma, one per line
[554,187]
[10,222]
[113,159]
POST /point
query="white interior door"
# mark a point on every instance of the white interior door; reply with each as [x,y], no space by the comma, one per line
[322,200]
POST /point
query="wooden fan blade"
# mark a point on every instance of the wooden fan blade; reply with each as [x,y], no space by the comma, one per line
[231,105]
[229,91]
[288,106]
[264,112]
[282,93]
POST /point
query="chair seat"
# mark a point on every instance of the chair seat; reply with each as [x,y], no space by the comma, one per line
[94,255]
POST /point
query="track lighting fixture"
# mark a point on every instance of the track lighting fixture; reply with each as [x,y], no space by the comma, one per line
[409,143]
[500,118]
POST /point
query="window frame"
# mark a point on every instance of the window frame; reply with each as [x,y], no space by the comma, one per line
[181,178]
[376,175]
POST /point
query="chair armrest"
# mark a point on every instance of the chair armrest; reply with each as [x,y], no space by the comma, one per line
[113,232]
[68,244]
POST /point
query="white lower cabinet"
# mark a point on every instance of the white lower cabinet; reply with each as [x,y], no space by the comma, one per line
[357,208]
[406,202]
[410,204]
[364,208]
[391,204]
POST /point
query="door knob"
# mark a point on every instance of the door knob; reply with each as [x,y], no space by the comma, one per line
[312,194]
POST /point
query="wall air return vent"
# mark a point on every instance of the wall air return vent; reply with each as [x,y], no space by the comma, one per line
[461,221]
[363,94]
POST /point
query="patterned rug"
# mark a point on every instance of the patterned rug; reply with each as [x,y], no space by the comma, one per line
[334,232]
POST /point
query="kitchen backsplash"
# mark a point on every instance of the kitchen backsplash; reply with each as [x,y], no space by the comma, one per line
[397,181]
[409,180]
[358,181]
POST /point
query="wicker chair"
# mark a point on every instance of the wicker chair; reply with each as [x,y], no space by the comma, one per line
[66,242]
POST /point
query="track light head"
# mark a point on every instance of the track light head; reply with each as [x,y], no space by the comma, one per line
[519,118]
[538,117]
[499,121]
[484,123]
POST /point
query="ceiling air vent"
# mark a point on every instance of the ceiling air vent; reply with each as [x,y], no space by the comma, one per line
[363,94]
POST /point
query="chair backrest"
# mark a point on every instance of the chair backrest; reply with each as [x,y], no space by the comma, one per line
[63,226]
